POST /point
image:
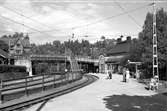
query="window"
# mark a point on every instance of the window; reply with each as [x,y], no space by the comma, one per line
[18,51]
[18,45]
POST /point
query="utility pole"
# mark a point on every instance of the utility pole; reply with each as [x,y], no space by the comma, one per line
[155,52]
[65,56]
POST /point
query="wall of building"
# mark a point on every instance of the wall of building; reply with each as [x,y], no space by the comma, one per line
[25,62]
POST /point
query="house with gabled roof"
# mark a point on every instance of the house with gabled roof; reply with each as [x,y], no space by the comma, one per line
[19,50]
[19,45]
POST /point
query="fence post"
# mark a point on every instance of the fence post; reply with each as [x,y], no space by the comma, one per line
[64,78]
[43,82]
[54,80]
[1,92]
[72,76]
[26,84]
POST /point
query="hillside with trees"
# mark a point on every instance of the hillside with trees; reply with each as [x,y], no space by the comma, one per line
[141,49]
[83,48]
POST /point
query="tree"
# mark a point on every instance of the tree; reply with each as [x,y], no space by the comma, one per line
[141,49]
[4,46]
[103,37]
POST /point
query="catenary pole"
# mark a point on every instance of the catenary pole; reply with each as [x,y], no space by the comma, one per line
[155,52]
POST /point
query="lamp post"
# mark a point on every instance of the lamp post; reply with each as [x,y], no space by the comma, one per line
[9,51]
[65,63]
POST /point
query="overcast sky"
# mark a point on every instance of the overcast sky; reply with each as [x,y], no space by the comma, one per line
[48,20]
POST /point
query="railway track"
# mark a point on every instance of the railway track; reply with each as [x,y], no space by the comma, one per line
[31,83]
[66,89]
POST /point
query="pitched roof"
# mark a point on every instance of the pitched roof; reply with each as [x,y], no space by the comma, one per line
[24,41]
[115,59]
[111,60]
[122,47]
[12,40]
[3,53]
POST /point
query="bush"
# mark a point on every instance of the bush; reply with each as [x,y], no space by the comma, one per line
[10,72]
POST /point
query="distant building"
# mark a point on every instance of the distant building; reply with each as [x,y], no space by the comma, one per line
[19,45]
[117,53]
[19,49]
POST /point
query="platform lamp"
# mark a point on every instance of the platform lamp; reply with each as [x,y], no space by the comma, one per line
[9,50]
[65,62]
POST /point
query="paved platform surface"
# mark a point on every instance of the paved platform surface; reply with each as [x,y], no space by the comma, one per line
[107,95]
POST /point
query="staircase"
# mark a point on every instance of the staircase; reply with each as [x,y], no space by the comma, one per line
[74,64]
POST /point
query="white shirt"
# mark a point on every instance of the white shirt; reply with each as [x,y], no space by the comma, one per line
[127,74]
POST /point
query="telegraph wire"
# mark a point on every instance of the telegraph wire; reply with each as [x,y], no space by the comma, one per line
[123,13]
[5,31]
[24,25]
[98,21]
[27,17]
[92,1]
[107,18]
[130,16]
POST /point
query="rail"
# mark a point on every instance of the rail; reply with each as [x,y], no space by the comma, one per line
[10,106]
[27,85]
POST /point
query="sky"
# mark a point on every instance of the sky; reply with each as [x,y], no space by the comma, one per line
[49,20]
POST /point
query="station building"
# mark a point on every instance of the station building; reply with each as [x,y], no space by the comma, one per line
[117,53]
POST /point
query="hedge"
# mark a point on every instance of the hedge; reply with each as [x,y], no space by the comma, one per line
[11,72]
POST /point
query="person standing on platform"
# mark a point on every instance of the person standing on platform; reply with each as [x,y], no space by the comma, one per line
[110,74]
[124,74]
[127,75]
[111,71]
[137,74]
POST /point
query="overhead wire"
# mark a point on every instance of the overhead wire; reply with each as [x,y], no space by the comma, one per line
[5,30]
[76,27]
[107,18]
[130,16]
[27,17]
[24,25]
[123,13]
[94,1]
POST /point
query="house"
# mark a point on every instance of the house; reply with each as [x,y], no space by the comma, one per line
[117,53]
[19,45]
[19,50]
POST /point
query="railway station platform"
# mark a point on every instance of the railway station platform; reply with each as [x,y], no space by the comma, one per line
[107,95]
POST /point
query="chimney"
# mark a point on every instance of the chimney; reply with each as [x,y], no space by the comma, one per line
[119,40]
[128,38]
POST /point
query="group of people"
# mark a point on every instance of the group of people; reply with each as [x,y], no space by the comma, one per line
[126,75]
[153,85]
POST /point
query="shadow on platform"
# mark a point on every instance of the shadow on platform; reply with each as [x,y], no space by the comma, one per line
[156,102]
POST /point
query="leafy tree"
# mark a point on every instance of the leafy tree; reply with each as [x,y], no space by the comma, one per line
[141,49]
[4,46]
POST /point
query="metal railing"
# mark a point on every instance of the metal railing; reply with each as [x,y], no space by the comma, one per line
[42,82]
